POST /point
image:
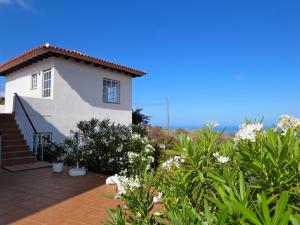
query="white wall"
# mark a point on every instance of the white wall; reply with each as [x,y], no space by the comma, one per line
[20,82]
[2,108]
[77,95]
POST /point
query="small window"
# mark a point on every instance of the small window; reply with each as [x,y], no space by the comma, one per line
[111,91]
[47,83]
[33,81]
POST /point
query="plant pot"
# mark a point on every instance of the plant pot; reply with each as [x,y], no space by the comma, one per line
[57,167]
[75,172]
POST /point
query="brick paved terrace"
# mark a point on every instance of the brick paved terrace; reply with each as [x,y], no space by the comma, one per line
[41,197]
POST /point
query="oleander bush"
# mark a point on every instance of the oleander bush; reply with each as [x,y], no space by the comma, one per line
[252,178]
[109,148]
[102,146]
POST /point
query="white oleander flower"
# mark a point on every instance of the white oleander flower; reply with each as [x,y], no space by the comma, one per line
[173,162]
[223,159]
[132,156]
[220,158]
[119,149]
[211,124]
[248,132]
[136,136]
[150,159]
[216,154]
[162,146]
[148,167]
[288,122]
[149,148]
[156,199]
[123,183]
[157,214]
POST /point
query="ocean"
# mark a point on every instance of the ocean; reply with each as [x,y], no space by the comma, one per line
[227,129]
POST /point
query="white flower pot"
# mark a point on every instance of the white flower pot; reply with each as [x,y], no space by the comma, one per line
[57,167]
[75,172]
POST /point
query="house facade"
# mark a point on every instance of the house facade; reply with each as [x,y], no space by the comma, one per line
[59,87]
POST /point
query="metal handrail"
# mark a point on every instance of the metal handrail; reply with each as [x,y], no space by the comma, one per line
[26,114]
[53,144]
[31,124]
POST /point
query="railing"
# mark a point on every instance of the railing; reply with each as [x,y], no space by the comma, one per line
[25,123]
[40,140]
[36,139]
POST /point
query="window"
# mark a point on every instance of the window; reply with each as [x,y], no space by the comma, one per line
[47,83]
[33,81]
[111,91]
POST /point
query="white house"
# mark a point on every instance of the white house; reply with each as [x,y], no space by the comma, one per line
[59,87]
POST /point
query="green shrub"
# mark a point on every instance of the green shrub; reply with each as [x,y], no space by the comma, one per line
[253,178]
[103,145]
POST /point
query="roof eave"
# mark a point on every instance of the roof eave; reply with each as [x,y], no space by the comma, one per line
[42,52]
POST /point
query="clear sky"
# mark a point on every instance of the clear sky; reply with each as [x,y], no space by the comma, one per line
[214,60]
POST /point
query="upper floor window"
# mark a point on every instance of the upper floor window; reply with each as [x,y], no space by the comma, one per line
[33,81]
[111,91]
[47,83]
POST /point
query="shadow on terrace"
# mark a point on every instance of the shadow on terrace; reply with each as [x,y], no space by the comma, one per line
[41,197]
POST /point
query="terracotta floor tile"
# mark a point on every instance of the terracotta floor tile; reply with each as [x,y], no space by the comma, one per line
[41,197]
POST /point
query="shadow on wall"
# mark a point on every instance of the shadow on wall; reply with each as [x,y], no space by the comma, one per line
[42,123]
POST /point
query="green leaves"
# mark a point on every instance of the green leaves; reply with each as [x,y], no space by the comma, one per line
[258,186]
[265,216]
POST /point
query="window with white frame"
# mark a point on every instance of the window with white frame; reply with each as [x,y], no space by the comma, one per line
[111,91]
[33,81]
[47,83]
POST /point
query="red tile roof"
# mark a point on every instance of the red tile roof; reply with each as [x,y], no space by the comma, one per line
[46,51]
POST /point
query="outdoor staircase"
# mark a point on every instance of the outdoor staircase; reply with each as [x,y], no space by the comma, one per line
[14,149]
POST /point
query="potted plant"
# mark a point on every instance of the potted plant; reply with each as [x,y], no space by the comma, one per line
[57,154]
[77,154]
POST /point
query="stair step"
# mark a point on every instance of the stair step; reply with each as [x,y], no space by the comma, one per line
[18,140]
[10,131]
[16,161]
[11,137]
[7,122]
[13,148]
[15,154]
[8,126]
[7,116]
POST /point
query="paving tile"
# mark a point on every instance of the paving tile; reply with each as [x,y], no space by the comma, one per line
[41,197]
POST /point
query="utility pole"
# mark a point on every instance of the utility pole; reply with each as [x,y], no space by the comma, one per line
[168,117]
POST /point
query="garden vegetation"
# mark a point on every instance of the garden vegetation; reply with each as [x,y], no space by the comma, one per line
[251,178]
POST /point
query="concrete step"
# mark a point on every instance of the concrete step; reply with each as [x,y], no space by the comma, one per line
[7,116]
[15,154]
[13,148]
[16,140]
[10,131]
[7,122]
[8,126]
[12,137]
[17,161]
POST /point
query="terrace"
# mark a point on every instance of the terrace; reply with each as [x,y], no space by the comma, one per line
[41,197]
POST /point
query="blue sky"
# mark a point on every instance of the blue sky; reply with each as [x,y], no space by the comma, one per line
[213,60]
